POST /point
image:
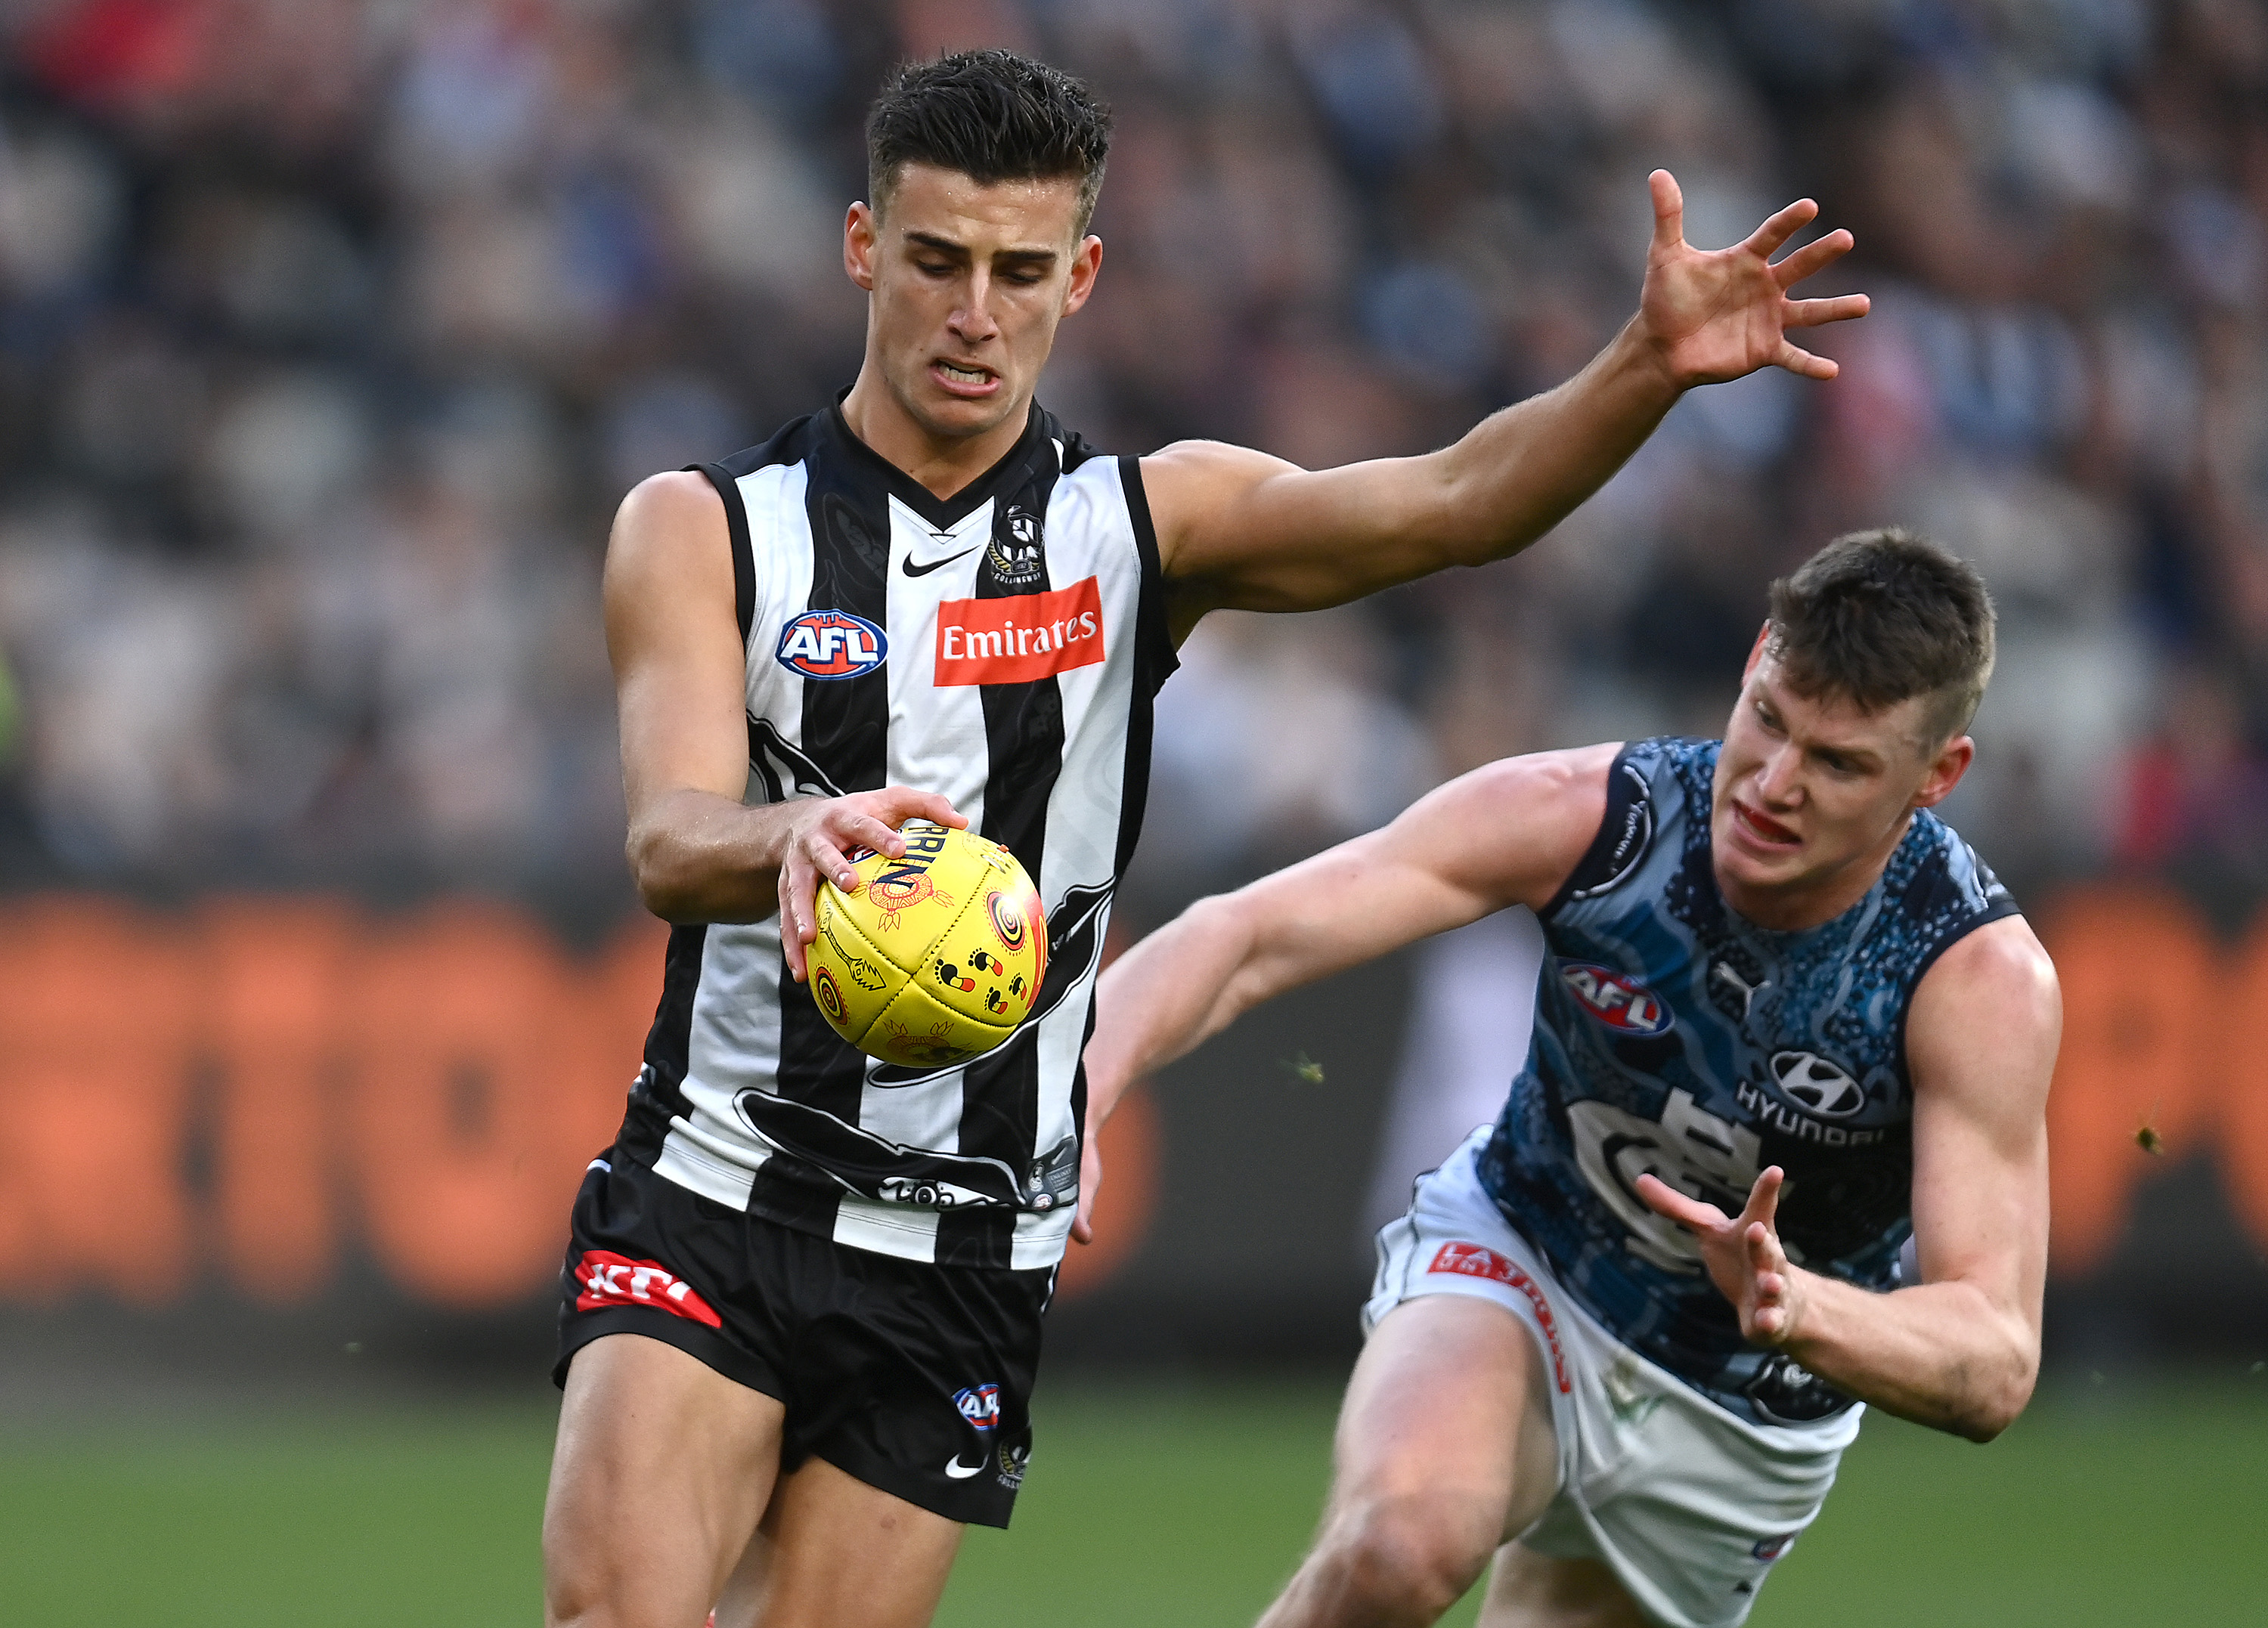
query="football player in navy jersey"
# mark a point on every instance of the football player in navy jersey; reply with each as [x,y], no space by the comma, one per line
[720,1456]
[1778,1147]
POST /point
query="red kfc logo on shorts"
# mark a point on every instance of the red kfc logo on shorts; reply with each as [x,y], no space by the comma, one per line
[611,1279]
[1476,1260]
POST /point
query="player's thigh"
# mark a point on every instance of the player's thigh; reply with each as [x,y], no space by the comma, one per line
[662,1469]
[1530,1590]
[1446,1412]
[834,1552]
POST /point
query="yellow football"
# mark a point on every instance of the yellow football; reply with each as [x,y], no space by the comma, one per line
[932,958]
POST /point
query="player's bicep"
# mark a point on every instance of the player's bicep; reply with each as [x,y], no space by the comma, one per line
[1241,530]
[1506,833]
[674,637]
[1981,1044]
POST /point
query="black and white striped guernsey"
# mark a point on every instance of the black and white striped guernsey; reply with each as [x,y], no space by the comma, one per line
[1000,647]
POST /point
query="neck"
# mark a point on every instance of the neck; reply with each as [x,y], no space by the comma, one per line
[942,464]
[1811,900]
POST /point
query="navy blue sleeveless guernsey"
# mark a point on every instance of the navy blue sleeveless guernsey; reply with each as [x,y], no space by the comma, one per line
[1673,1037]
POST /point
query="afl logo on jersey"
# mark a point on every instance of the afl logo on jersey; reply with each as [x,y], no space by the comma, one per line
[1616,999]
[832,644]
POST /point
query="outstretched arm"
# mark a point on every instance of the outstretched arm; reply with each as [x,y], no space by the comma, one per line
[1239,528]
[1507,834]
[696,852]
[1959,1350]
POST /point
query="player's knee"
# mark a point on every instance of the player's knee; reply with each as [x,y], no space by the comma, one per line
[1410,1558]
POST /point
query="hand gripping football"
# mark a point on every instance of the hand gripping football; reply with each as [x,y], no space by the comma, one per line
[932,958]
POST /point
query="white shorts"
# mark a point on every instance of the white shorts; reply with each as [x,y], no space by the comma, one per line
[1689,1505]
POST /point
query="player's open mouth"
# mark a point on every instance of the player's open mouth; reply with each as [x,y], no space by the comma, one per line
[1763,829]
[965,381]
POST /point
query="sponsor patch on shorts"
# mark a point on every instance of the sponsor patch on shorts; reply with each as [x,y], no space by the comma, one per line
[612,1280]
[1477,1260]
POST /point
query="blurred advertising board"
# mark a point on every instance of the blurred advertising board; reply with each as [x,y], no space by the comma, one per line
[250,1107]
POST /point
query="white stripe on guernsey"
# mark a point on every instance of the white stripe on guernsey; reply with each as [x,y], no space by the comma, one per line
[1083,816]
[718,1169]
[735,1032]
[897,1230]
[1040,1239]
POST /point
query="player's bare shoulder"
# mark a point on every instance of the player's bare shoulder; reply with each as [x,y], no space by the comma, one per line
[669,572]
[1992,996]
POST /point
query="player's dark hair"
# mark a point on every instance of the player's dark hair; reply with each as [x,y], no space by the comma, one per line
[1878,616]
[992,115]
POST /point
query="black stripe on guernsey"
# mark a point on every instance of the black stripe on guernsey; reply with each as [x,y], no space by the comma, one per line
[668,1041]
[1154,662]
[744,559]
[846,722]
[1024,743]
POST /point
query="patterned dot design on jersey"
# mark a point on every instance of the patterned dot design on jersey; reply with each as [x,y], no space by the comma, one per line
[932,958]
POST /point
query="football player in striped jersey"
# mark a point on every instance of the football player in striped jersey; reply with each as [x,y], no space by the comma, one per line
[802,1303]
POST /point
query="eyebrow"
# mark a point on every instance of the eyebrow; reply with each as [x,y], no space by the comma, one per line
[931,240]
[1861,757]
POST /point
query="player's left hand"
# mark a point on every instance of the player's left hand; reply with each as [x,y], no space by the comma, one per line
[1742,1254]
[1716,314]
[1090,1182]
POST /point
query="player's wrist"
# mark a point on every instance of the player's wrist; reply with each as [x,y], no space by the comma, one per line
[1646,358]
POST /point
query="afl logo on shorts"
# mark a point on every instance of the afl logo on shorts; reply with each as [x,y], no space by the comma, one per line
[1616,999]
[980,1405]
[832,644]
[824,991]
[1007,920]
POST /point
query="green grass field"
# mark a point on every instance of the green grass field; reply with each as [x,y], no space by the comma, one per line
[1144,1506]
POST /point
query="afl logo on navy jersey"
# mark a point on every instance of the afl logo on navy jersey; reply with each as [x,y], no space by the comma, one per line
[832,644]
[1816,1085]
[1615,998]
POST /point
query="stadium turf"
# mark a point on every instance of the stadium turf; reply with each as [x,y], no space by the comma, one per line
[2105,1505]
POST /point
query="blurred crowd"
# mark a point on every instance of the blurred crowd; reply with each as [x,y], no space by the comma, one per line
[331,331]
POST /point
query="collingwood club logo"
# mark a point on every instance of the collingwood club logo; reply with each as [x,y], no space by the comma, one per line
[1015,557]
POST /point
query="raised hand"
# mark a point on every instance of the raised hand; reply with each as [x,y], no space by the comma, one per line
[1742,1254]
[1718,314]
[824,832]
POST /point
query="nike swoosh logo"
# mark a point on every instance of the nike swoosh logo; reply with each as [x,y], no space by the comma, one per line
[927,566]
[960,1471]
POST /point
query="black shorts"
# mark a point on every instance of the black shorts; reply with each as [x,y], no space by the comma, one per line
[915,1379]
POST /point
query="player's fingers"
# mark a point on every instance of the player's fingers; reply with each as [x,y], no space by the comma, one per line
[1668,210]
[1763,1196]
[901,803]
[1814,256]
[827,860]
[1090,1182]
[1768,1321]
[790,922]
[1765,239]
[861,831]
[1797,360]
[1664,1199]
[1809,314]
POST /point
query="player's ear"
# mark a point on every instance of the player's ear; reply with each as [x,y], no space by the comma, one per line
[1756,650]
[1086,262]
[861,231]
[1945,771]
